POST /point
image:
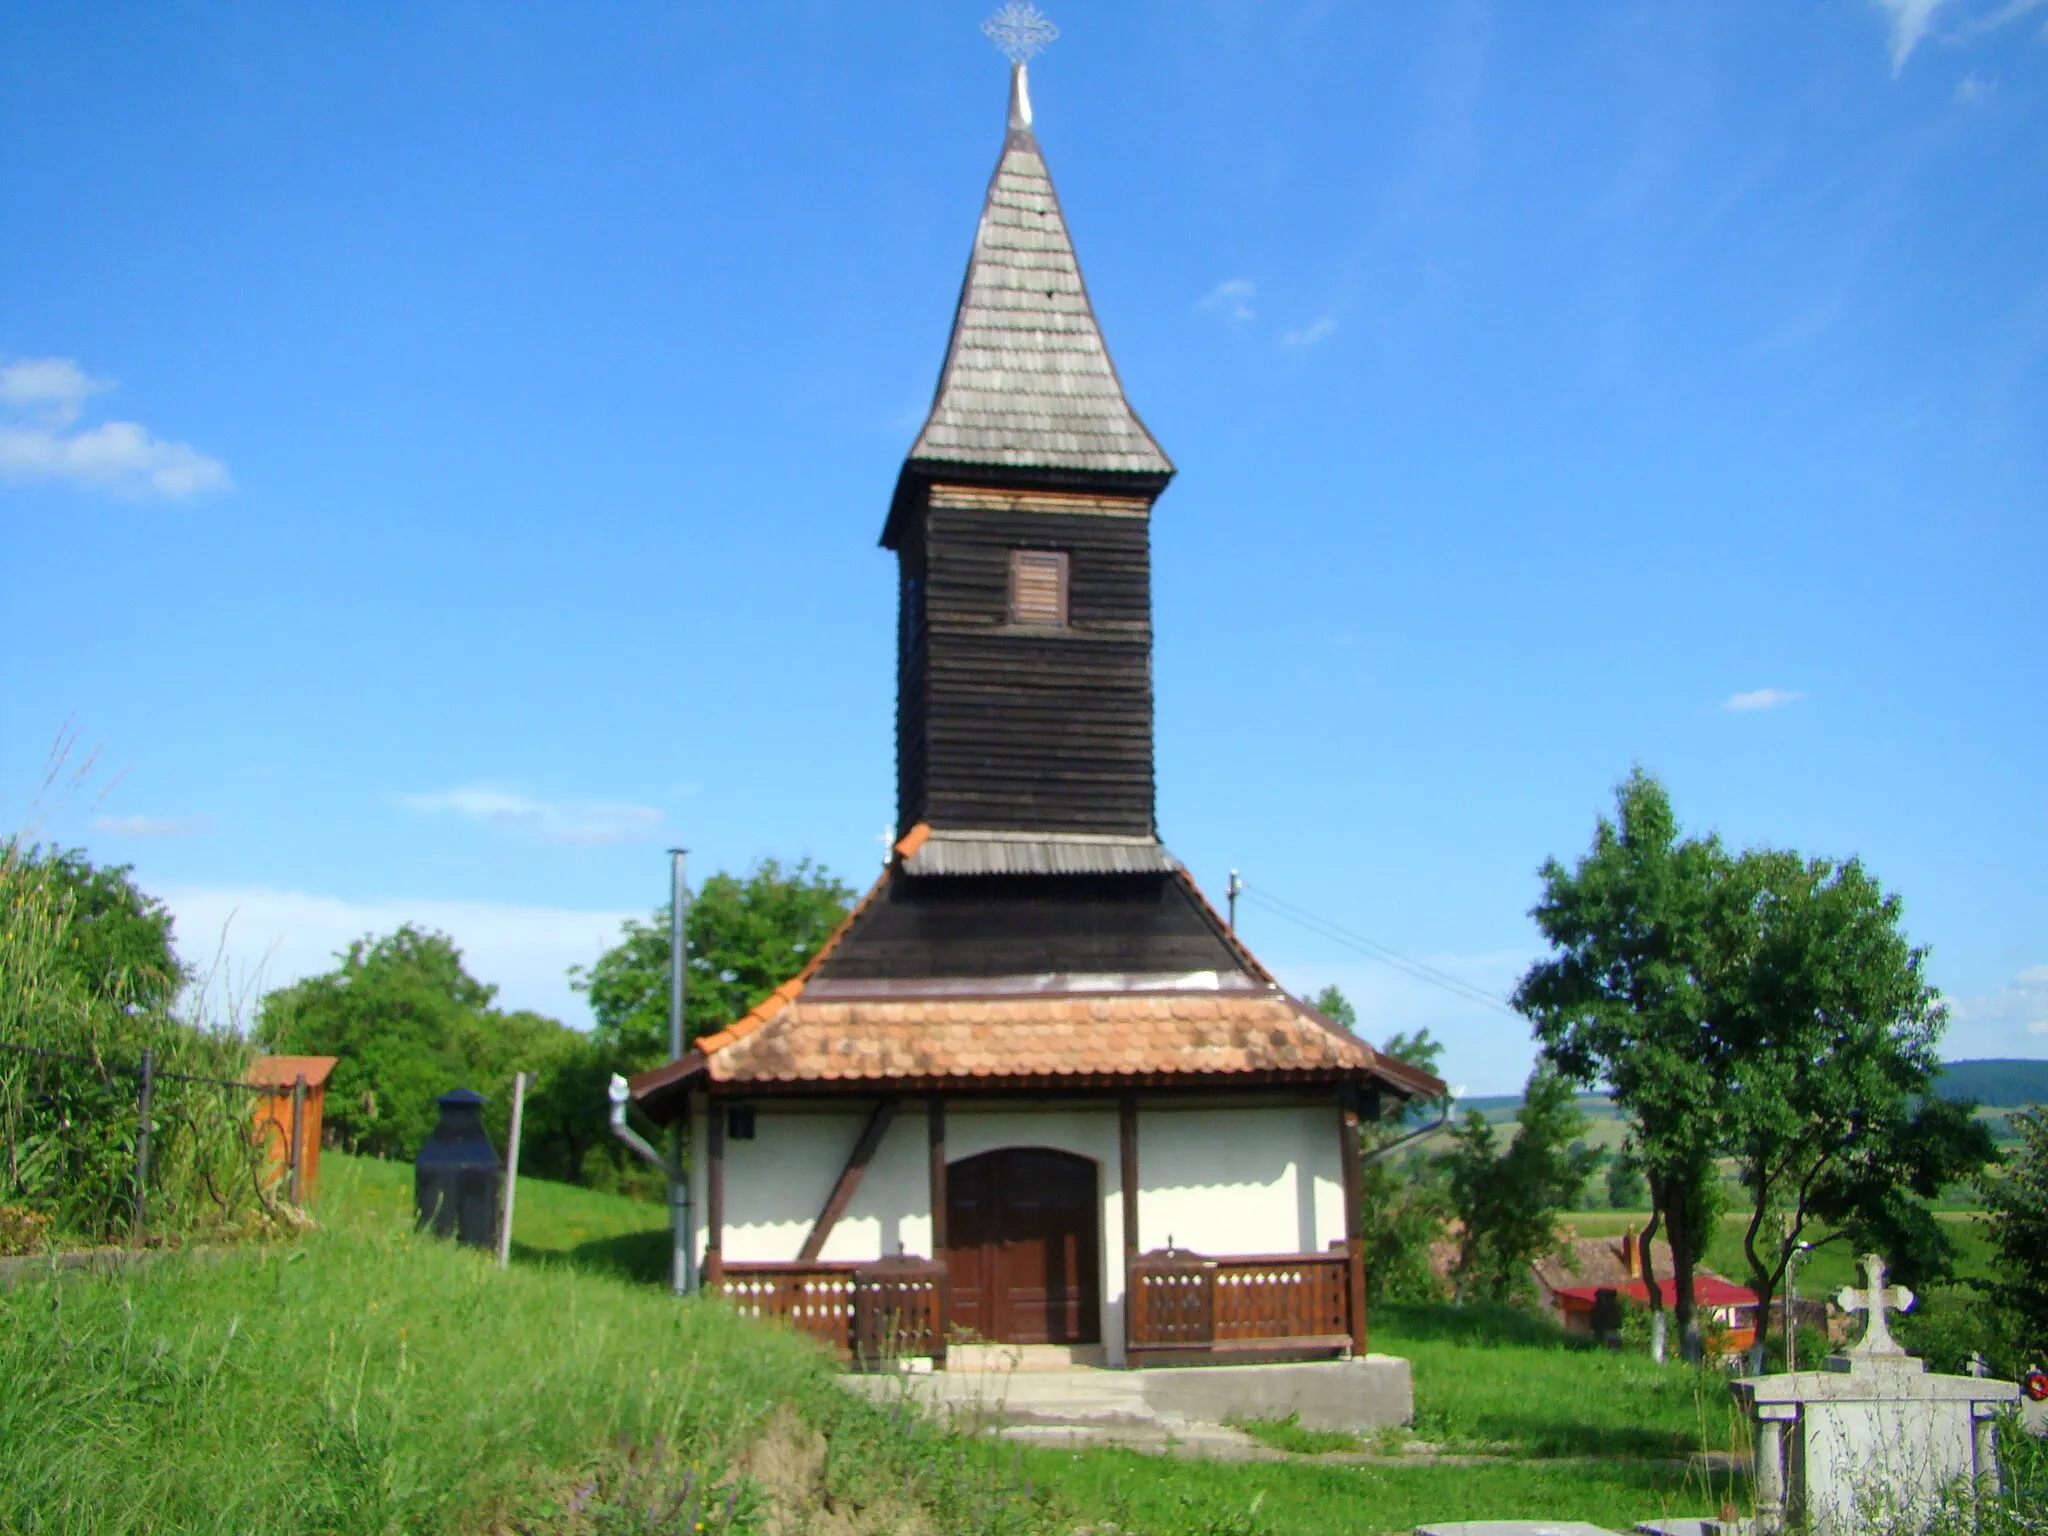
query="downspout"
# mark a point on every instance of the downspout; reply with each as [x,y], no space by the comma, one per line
[683,1278]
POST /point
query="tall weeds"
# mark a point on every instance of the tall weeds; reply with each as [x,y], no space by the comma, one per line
[69,1091]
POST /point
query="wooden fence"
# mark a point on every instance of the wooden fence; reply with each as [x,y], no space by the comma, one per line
[1285,1306]
[867,1313]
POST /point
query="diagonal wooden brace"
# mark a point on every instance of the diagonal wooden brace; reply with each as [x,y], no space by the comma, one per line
[849,1181]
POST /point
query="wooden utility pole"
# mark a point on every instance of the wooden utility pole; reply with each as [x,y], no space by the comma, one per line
[511,1170]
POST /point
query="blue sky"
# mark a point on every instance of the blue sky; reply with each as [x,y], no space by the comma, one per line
[442,449]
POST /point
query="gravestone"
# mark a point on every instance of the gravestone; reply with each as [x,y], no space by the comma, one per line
[1875,1440]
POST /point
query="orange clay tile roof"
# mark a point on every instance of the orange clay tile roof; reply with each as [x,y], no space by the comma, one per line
[1124,1035]
[1038,1041]
[1032,1042]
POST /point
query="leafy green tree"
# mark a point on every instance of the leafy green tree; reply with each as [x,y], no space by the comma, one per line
[117,941]
[1626,1190]
[1624,999]
[1508,1200]
[1333,1005]
[1402,1197]
[1830,1032]
[408,1023]
[2016,1197]
[746,936]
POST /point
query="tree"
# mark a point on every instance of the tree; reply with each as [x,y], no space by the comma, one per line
[117,941]
[746,937]
[408,1023]
[1626,1190]
[1402,1202]
[1333,1005]
[1624,999]
[1830,1028]
[2016,1196]
[1509,1200]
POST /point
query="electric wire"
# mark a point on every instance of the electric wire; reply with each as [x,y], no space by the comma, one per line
[1415,969]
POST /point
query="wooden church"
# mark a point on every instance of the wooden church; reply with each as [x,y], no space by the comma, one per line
[1033,1091]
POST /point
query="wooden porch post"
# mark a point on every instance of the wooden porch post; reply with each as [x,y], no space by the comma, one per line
[1354,1214]
[714,1195]
[935,1126]
[1127,1144]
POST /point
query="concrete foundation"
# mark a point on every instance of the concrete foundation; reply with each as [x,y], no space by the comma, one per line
[1361,1395]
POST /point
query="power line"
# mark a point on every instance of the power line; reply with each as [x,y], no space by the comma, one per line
[1372,949]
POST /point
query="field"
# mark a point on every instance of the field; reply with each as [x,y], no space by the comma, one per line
[363,1379]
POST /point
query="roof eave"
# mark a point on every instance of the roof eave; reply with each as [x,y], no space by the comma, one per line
[918,476]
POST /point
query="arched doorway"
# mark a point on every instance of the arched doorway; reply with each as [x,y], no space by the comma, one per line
[1023,1246]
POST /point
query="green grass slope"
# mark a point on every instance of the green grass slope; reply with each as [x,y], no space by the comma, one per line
[367,1380]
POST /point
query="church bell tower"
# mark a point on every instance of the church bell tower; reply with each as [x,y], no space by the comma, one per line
[1021,526]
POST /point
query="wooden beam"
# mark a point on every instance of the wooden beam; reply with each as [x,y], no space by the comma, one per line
[935,1129]
[849,1180]
[1127,1146]
[714,1195]
[1354,1215]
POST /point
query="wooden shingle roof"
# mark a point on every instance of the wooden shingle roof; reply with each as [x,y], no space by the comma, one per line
[1028,382]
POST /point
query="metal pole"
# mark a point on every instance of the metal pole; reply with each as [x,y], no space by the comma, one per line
[680,1278]
[1792,1306]
[143,1096]
[511,1170]
[299,1139]
[1230,895]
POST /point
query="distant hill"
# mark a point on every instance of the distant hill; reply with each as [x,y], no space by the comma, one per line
[2007,1083]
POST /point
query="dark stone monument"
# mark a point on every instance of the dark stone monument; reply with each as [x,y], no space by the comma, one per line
[456,1176]
[1607,1315]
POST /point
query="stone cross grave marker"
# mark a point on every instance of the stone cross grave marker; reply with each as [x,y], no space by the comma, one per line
[1875,1439]
[1876,1299]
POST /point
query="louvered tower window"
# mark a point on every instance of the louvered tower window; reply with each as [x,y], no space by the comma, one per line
[1038,588]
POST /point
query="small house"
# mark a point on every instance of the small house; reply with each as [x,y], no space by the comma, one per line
[1569,1286]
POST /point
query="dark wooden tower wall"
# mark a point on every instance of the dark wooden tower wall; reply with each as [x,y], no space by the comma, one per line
[1022,521]
[1029,727]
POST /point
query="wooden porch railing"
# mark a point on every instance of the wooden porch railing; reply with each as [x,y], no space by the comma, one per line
[1183,1306]
[868,1313]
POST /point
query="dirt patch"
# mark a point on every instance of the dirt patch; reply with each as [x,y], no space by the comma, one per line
[787,1465]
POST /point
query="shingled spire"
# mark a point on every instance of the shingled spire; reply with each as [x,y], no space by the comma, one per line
[1028,382]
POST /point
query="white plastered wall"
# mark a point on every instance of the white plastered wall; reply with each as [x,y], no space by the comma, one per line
[778,1182]
[1219,1180]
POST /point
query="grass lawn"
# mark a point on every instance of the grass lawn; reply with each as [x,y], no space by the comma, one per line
[363,1379]
[583,1228]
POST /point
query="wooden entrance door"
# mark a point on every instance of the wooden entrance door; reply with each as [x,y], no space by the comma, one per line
[1023,1249]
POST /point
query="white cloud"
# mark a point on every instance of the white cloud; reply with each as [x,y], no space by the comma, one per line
[1232,298]
[2023,1001]
[1973,90]
[53,389]
[44,396]
[556,821]
[266,938]
[153,826]
[1311,334]
[1762,698]
[1909,20]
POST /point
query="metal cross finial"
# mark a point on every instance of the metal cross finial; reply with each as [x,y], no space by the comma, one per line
[1020,30]
[1875,1298]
